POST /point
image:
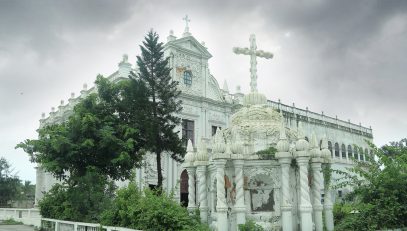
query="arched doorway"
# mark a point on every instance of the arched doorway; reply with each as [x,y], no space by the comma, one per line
[184,188]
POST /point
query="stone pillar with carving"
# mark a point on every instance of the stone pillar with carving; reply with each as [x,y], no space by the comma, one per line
[284,159]
[302,156]
[219,158]
[328,205]
[221,206]
[240,208]
[188,164]
[201,161]
[316,183]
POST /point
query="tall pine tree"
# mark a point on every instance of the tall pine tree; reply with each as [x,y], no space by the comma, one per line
[164,102]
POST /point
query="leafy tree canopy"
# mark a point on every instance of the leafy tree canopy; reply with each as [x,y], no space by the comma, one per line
[99,134]
[379,199]
[9,183]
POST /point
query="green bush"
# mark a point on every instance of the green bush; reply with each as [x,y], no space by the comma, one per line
[82,201]
[379,199]
[267,154]
[250,225]
[10,221]
[149,210]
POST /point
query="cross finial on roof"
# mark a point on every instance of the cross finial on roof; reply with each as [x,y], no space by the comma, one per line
[186,31]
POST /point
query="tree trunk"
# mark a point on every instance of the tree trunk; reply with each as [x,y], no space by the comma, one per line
[159,172]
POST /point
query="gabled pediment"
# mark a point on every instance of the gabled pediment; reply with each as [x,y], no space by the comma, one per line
[190,44]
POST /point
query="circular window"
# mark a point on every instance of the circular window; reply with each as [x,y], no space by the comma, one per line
[187,78]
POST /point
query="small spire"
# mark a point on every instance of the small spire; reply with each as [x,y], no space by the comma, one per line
[190,148]
[171,36]
[62,102]
[225,86]
[85,86]
[43,115]
[72,95]
[52,109]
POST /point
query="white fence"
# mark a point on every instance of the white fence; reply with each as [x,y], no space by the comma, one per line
[59,225]
[26,216]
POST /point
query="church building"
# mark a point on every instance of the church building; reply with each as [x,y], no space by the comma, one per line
[227,173]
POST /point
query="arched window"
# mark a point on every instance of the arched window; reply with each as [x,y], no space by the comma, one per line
[306,138]
[336,150]
[187,78]
[356,154]
[343,147]
[349,151]
[320,144]
[367,154]
[330,148]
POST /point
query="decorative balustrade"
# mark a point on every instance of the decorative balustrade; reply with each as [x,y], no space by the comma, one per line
[320,119]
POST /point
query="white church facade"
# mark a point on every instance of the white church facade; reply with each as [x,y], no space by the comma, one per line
[222,175]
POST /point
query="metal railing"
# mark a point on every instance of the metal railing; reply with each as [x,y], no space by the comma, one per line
[60,225]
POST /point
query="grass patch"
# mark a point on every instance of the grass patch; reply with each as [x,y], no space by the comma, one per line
[10,221]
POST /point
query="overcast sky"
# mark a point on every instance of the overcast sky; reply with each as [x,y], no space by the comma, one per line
[346,58]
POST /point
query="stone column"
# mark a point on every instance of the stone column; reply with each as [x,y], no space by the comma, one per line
[286,206]
[328,206]
[221,206]
[240,207]
[329,218]
[316,193]
[38,185]
[305,204]
[284,157]
[191,189]
[302,156]
[202,192]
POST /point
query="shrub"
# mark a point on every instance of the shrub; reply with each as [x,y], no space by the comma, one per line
[250,225]
[149,210]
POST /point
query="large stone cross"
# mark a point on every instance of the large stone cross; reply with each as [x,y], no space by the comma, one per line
[253,52]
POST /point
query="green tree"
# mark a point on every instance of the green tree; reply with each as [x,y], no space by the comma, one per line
[101,141]
[9,183]
[164,102]
[97,135]
[379,199]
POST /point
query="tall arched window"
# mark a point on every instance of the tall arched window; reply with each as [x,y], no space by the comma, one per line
[367,157]
[356,154]
[343,147]
[306,138]
[362,154]
[349,151]
[330,148]
[336,150]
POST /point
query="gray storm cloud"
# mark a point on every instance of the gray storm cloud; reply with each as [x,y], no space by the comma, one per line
[346,58]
